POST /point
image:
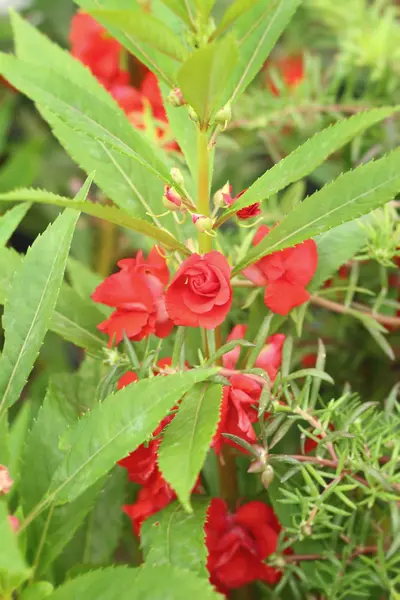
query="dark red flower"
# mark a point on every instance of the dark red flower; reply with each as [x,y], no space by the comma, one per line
[285,274]
[239,543]
[126,379]
[238,411]
[309,360]
[137,293]
[200,294]
[270,357]
[248,212]
[290,69]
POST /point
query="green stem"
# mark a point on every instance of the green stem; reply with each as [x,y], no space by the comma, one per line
[203,200]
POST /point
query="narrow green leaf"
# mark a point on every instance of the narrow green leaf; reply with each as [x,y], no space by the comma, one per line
[233,12]
[140,26]
[83,280]
[116,427]
[107,213]
[17,439]
[204,8]
[164,537]
[13,568]
[181,9]
[257,32]
[30,305]
[204,76]
[310,372]
[307,157]
[350,196]
[10,221]
[187,439]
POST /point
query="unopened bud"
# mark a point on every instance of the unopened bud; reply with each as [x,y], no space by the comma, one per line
[224,115]
[175,98]
[5,480]
[267,476]
[171,199]
[193,114]
[14,522]
[202,223]
[220,200]
[177,176]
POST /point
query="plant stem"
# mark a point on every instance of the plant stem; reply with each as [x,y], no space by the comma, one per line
[105,258]
[203,200]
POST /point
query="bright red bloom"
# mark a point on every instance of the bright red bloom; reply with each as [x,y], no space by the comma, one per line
[270,357]
[285,274]
[238,412]
[126,379]
[309,360]
[248,212]
[200,294]
[291,71]
[137,293]
[5,480]
[239,543]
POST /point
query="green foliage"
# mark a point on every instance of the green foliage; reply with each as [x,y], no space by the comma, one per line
[348,197]
[30,304]
[188,437]
[13,568]
[10,221]
[164,537]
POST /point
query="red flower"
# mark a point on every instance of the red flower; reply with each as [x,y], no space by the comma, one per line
[270,357]
[291,70]
[237,411]
[285,274]
[200,294]
[248,212]
[126,379]
[309,360]
[239,543]
[137,293]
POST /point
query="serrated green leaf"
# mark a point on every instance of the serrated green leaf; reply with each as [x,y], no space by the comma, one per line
[187,439]
[10,221]
[165,537]
[307,157]
[17,439]
[139,26]
[170,583]
[51,532]
[108,213]
[107,584]
[257,32]
[30,305]
[116,427]
[336,247]
[204,76]
[13,568]
[350,196]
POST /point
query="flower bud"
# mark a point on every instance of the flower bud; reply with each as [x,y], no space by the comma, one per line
[219,197]
[14,522]
[5,480]
[171,199]
[224,115]
[175,98]
[193,114]
[202,223]
[267,476]
[177,176]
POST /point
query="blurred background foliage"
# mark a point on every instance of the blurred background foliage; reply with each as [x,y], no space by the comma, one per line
[336,58]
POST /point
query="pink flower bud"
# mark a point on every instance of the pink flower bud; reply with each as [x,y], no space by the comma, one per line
[5,480]
[222,196]
[14,522]
[175,98]
[202,223]
[171,199]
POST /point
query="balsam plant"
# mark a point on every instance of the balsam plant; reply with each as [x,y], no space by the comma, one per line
[253,473]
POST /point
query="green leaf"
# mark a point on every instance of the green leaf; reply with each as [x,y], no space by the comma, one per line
[336,247]
[37,591]
[257,32]
[187,439]
[13,568]
[30,305]
[179,8]
[88,122]
[233,12]
[139,26]
[204,8]
[116,427]
[204,76]
[350,196]
[108,213]
[144,583]
[23,165]
[306,158]
[52,530]
[83,280]
[17,439]
[165,537]
[10,221]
